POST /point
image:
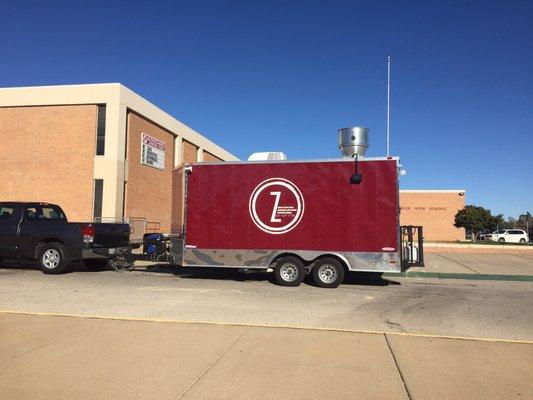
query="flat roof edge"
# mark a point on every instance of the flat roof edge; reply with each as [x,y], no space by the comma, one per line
[108,93]
[70,85]
[433,191]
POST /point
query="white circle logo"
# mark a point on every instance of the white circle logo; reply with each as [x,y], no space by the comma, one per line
[276,206]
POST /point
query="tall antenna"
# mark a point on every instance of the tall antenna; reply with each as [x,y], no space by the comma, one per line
[388,105]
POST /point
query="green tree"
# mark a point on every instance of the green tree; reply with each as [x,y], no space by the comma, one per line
[509,224]
[524,220]
[476,219]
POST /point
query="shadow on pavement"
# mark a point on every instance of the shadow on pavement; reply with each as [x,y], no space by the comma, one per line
[352,278]
[218,273]
[368,278]
[33,265]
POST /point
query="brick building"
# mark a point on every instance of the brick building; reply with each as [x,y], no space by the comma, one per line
[435,210]
[100,151]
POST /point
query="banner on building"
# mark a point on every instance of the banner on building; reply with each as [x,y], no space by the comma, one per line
[152,151]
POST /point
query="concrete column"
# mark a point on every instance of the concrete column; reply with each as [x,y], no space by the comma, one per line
[200,154]
[111,166]
[178,140]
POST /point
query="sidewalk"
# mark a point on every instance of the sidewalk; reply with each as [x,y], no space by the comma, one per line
[464,265]
[478,247]
[45,357]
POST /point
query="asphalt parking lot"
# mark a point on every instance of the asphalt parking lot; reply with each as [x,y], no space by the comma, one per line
[162,332]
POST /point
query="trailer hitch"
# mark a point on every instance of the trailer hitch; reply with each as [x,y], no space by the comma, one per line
[356,178]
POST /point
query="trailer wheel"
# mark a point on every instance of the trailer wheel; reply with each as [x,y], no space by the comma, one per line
[328,272]
[289,271]
[52,259]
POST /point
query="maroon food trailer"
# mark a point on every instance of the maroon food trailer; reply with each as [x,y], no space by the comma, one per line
[296,217]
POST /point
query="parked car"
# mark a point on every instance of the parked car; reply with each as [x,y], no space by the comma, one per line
[41,231]
[484,235]
[510,236]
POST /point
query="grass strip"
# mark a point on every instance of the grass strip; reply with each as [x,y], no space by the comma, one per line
[450,275]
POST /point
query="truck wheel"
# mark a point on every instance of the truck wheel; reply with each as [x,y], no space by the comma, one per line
[289,271]
[328,272]
[96,263]
[52,259]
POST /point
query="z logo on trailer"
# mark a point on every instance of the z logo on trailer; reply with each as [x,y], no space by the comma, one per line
[276,206]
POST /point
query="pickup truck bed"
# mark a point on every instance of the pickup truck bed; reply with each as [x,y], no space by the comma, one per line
[41,231]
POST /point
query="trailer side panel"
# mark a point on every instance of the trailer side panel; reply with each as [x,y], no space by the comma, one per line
[306,206]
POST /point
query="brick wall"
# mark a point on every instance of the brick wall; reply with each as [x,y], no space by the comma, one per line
[210,157]
[47,154]
[434,211]
[189,152]
[148,189]
[188,156]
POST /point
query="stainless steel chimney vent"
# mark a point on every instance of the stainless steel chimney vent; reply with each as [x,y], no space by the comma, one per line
[353,141]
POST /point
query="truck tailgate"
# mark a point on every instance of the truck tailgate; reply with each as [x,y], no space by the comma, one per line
[111,235]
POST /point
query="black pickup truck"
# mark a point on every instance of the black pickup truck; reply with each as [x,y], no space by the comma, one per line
[41,231]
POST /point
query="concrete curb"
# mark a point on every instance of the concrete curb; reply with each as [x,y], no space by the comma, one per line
[269,326]
[449,275]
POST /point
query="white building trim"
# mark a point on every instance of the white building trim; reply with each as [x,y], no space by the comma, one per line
[112,167]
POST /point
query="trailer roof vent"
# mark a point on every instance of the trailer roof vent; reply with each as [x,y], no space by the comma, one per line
[353,141]
[267,156]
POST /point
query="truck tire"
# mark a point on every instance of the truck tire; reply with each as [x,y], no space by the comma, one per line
[52,258]
[289,271]
[96,263]
[328,272]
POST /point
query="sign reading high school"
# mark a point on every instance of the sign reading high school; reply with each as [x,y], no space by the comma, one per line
[152,151]
[434,210]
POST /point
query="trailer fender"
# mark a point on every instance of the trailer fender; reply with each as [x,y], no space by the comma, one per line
[339,257]
[277,256]
[309,258]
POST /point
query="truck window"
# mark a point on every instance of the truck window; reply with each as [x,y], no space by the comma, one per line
[6,212]
[31,213]
[44,213]
[52,213]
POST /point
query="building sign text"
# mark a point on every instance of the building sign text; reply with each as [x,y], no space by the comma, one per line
[152,151]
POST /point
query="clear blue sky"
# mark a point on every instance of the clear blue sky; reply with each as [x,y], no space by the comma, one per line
[285,76]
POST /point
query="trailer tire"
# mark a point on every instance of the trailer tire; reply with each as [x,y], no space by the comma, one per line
[52,258]
[289,271]
[328,272]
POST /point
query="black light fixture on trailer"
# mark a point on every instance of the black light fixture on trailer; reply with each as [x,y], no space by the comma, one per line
[353,142]
[356,178]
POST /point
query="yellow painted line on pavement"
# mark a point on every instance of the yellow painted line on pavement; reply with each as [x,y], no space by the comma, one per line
[368,332]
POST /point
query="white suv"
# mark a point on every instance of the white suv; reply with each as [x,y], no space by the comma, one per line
[510,236]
